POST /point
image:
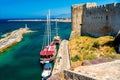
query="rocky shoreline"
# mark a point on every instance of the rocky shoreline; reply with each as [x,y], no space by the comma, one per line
[13,38]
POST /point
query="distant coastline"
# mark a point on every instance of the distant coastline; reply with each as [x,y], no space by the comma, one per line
[35,20]
[13,38]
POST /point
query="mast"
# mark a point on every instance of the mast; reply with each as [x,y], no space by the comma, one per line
[48,28]
[49,25]
[56,39]
[56,28]
[44,38]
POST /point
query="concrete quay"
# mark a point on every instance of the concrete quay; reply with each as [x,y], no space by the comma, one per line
[103,71]
[12,38]
[62,61]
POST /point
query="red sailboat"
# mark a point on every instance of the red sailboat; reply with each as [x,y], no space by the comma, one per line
[47,53]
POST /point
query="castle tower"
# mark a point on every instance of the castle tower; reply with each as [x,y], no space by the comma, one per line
[77,11]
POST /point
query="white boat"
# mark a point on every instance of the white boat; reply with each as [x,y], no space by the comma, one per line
[47,70]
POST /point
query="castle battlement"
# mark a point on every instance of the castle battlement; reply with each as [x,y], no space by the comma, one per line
[108,6]
[91,18]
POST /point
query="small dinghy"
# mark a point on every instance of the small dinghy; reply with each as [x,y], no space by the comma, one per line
[47,70]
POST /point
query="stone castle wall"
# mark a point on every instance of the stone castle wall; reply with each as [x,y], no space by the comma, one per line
[70,75]
[90,19]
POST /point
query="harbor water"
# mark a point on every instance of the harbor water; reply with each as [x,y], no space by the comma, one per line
[21,61]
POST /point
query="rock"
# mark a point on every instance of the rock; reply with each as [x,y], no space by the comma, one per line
[117,39]
[117,42]
[86,62]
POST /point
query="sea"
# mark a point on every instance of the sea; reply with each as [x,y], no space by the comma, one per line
[21,61]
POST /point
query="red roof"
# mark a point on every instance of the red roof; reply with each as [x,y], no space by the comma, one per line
[42,52]
[48,50]
[51,48]
[52,44]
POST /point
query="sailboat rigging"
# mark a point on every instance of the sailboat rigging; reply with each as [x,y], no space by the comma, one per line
[56,39]
[47,53]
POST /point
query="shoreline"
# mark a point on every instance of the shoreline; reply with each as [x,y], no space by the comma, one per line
[12,38]
[61,20]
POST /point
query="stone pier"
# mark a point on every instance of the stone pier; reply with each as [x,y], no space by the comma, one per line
[62,61]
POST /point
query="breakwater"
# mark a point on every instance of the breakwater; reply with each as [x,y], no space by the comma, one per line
[36,20]
[12,38]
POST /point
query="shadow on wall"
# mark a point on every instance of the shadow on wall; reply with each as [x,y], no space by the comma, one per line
[106,29]
[115,43]
[103,31]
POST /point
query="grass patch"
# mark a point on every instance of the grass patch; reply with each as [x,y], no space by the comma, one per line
[90,57]
[113,56]
[89,48]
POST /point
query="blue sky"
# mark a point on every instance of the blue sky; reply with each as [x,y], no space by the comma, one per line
[39,8]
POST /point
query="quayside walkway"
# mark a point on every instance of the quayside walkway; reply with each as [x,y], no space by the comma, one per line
[62,61]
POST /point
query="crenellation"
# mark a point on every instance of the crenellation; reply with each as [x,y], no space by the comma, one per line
[99,20]
[90,5]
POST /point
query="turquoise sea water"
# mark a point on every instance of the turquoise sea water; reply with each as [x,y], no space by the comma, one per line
[21,61]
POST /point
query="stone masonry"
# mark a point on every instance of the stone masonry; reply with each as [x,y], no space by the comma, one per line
[90,19]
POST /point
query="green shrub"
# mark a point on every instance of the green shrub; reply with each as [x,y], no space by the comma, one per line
[92,49]
[96,44]
[75,58]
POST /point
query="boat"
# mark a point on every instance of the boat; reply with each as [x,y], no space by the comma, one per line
[48,52]
[47,70]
